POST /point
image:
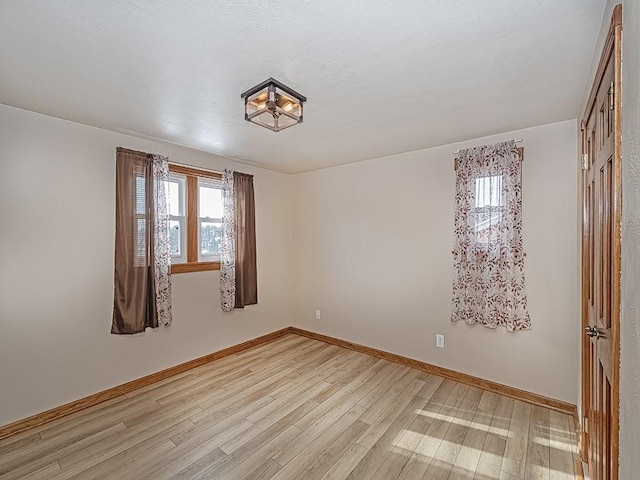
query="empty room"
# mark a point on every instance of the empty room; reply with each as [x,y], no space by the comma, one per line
[319,239]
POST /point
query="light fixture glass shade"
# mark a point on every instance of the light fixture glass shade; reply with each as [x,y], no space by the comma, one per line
[273,105]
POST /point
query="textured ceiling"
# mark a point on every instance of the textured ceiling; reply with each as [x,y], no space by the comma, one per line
[381,77]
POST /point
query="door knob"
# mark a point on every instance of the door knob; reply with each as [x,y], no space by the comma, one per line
[592,331]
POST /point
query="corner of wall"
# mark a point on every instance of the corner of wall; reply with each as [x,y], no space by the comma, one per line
[291,248]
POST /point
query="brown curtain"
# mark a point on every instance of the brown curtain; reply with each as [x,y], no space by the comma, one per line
[134,305]
[245,240]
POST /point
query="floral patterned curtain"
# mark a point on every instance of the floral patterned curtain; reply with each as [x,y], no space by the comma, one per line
[488,273]
[161,247]
[228,248]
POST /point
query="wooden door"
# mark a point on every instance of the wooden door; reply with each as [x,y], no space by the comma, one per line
[601,263]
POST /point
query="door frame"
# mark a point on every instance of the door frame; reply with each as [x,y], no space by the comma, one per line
[612,47]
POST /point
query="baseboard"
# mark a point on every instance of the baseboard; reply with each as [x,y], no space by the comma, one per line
[96,398]
[495,387]
[580,436]
[91,400]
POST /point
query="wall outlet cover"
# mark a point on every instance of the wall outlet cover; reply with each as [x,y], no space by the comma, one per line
[439,340]
[317,314]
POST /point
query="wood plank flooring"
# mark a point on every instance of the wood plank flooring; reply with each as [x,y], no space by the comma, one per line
[298,408]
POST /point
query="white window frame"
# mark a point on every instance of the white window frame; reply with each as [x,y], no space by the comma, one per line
[181,180]
[208,183]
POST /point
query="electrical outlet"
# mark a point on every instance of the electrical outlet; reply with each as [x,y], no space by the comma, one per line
[439,340]
[317,314]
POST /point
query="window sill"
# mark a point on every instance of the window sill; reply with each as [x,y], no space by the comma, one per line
[194,267]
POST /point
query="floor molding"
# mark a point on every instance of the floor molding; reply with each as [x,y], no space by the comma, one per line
[96,398]
[86,402]
[489,385]
[301,409]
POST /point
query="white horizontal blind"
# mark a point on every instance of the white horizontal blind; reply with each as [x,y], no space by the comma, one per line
[141,248]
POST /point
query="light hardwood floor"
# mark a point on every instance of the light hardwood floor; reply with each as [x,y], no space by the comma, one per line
[298,408]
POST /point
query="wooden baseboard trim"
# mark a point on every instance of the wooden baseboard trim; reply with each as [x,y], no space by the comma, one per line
[580,437]
[577,457]
[489,385]
[96,398]
[91,400]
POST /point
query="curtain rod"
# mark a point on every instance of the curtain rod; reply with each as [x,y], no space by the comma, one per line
[171,162]
[178,164]
[517,140]
[203,169]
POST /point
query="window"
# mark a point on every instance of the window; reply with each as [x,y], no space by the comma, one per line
[488,204]
[195,219]
[175,192]
[489,191]
[209,219]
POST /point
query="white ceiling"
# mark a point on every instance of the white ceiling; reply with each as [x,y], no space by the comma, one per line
[381,77]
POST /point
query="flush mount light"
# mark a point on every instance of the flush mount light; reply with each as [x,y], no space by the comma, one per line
[273,105]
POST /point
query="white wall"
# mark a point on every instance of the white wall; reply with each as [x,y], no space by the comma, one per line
[630,311]
[372,250]
[57,211]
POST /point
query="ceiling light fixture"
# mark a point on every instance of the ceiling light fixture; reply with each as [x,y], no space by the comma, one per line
[273,105]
